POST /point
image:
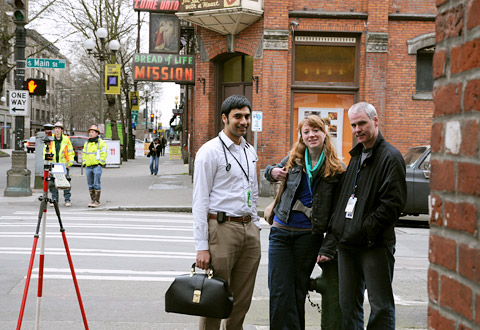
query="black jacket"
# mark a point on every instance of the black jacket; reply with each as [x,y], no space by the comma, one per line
[155,151]
[324,198]
[381,194]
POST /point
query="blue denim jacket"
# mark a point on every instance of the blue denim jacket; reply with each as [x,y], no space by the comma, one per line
[324,200]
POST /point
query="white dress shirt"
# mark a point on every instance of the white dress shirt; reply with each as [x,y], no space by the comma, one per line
[217,190]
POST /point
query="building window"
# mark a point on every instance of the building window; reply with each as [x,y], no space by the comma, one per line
[424,83]
[325,63]
[238,69]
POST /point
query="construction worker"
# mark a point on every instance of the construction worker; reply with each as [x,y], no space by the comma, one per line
[94,158]
[62,150]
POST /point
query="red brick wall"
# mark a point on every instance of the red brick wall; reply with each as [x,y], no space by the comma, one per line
[386,79]
[407,121]
[413,7]
[454,274]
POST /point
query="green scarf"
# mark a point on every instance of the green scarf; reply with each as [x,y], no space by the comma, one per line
[311,173]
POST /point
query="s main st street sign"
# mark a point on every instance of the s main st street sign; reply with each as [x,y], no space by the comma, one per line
[46,63]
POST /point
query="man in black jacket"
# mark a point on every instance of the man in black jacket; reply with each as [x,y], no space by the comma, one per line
[372,196]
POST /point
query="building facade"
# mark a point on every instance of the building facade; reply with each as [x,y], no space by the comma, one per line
[295,58]
[42,109]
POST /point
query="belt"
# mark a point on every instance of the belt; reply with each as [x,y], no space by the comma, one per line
[245,219]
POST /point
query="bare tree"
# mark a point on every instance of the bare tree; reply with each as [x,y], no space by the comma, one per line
[7,35]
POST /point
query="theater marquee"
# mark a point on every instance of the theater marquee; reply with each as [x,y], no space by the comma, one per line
[164,67]
[158,6]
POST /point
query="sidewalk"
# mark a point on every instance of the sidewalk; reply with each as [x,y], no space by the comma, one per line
[131,187]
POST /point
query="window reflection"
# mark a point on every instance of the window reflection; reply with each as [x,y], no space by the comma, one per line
[325,63]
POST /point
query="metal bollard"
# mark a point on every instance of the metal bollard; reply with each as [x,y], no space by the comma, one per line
[327,285]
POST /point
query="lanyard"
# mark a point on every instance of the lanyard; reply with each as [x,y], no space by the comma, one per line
[356,175]
[246,157]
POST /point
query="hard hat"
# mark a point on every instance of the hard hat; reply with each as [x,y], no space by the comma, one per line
[58,124]
[94,128]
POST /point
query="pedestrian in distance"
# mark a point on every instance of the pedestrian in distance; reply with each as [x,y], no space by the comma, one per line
[226,224]
[164,144]
[94,158]
[301,219]
[372,196]
[154,152]
[62,150]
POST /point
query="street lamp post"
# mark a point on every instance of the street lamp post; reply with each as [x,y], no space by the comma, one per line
[102,55]
[146,94]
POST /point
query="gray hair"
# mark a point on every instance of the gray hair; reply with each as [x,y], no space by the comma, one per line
[364,106]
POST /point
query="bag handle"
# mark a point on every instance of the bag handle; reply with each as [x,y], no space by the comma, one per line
[209,272]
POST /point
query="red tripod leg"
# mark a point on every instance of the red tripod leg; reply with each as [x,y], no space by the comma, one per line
[41,213]
[77,289]
[27,283]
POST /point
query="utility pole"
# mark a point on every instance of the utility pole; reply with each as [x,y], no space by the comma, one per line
[18,177]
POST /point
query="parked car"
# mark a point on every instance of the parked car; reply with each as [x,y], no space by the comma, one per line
[417,160]
[30,144]
[78,143]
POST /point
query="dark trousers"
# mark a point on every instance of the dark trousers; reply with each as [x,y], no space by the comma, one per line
[291,258]
[370,269]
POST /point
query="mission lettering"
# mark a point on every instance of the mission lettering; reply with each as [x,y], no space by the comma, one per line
[164,67]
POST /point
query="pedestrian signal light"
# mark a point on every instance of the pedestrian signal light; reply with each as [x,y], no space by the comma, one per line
[36,86]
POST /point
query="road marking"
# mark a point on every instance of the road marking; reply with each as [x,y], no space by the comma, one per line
[110,237]
[106,274]
[104,253]
[87,218]
[101,225]
[99,214]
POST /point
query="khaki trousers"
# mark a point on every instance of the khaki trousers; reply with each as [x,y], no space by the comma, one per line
[235,255]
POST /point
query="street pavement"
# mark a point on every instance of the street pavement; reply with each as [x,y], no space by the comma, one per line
[126,257]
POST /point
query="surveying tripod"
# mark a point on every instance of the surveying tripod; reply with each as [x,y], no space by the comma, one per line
[55,172]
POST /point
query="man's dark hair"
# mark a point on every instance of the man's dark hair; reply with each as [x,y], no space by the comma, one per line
[235,102]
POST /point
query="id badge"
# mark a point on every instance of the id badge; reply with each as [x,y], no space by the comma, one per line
[249,198]
[350,207]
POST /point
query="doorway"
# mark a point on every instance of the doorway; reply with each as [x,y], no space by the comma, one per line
[234,72]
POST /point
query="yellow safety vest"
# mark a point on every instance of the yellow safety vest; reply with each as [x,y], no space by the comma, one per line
[67,155]
[94,153]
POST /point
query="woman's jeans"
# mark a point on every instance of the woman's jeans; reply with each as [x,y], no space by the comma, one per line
[291,258]
[94,174]
[154,164]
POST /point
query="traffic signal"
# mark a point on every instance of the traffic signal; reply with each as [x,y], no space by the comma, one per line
[19,11]
[154,131]
[152,116]
[36,86]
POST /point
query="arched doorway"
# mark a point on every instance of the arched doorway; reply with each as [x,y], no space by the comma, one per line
[234,76]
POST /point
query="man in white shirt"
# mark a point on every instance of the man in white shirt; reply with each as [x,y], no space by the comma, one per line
[226,224]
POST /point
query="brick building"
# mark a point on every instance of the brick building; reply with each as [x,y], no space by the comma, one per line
[454,274]
[293,58]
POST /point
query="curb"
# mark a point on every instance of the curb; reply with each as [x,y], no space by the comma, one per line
[180,209]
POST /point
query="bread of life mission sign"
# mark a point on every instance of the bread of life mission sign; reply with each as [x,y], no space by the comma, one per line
[164,67]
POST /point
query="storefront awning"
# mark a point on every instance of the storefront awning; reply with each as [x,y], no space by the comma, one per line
[225,20]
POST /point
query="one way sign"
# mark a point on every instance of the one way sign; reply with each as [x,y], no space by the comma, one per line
[19,103]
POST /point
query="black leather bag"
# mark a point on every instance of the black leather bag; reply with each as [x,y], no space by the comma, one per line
[199,294]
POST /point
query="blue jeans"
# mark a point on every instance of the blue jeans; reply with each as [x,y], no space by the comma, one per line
[94,174]
[154,164]
[370,269]
[291,258]
[67,194]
